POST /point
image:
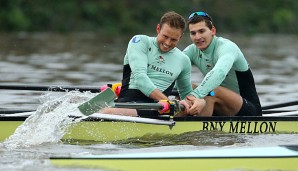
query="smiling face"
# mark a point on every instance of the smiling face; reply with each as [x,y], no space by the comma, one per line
[201,35]
[167,37]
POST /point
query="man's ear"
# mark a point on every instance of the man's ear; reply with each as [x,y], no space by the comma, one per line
[213,30]
[158,28]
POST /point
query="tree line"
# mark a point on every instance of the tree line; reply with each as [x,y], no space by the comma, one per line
[131,16]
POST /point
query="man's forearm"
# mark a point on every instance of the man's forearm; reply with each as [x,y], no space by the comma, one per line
[158,95]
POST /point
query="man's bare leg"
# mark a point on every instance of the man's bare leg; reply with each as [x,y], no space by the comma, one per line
[119,111]
[225,103]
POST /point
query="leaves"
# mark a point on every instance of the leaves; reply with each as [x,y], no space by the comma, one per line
[132,16]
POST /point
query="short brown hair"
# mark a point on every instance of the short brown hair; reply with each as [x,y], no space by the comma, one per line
[173,19]
[196,19]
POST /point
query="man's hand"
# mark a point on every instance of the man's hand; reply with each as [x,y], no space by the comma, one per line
[197,105]
[186,106]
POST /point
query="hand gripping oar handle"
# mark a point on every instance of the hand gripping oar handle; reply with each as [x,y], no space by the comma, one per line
[164,106]
[150,106]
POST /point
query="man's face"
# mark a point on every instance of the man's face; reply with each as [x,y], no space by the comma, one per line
[201,35]
[167,37]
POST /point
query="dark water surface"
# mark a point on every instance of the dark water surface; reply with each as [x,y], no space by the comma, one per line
[93,60]
[89,59]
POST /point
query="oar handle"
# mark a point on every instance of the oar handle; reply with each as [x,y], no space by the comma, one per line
[149,106]
[152,106]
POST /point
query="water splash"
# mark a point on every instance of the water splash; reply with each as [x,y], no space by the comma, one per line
[50,121]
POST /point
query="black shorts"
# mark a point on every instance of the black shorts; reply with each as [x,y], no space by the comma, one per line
[148,113]
[249,109]
[135,96]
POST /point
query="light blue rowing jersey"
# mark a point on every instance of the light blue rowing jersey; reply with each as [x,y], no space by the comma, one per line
[147,68]
[222,64]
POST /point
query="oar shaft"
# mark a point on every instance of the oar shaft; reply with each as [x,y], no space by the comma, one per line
[132,119]
[148,106]
[92,89]
[158,107]
[50,88]
[286,104]
[10,111]
[264,112]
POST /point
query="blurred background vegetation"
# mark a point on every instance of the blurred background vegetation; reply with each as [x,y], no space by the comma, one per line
[135,16]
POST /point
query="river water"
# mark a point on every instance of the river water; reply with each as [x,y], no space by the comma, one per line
[86,59]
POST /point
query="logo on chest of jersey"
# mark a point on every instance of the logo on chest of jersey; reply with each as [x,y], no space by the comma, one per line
[159,60]
[159,69]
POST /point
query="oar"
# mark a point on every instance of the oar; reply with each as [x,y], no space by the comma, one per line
[21,114]
[106,117]
[10,111]
[132,119]
[145,106]
[106,99]
[149,106]
[49,88]
[103,99]
[264,112]
[279,105]
[92,89]
[293,113]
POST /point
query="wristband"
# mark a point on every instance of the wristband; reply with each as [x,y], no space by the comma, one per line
[102,88]
[116,88]
[165,106]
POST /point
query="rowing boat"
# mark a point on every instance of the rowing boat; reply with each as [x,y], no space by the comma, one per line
[245,158]
[102,129]
[107,128]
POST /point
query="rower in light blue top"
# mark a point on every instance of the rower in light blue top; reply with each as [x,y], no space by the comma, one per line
[150,68]
[225,71]
[153,65]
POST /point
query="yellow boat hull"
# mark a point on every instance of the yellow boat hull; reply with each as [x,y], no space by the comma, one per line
[107,131]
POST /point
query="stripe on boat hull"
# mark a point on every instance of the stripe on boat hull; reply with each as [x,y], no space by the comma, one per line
[261,158]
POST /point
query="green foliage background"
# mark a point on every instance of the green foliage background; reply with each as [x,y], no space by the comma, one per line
[131,16]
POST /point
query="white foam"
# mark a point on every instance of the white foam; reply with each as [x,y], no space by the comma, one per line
[50,121]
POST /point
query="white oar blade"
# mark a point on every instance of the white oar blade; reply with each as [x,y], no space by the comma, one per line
[104,99]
